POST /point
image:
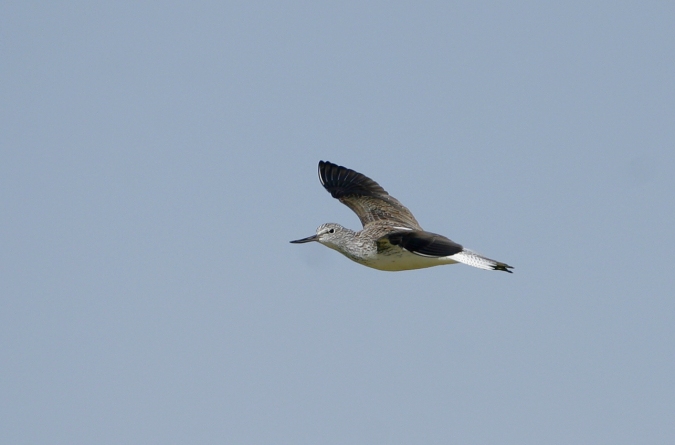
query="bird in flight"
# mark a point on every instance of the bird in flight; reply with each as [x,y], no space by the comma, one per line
[391,238]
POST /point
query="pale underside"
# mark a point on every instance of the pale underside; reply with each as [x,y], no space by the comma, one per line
[397,259]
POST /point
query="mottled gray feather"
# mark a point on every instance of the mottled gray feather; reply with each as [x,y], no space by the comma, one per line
[365,197]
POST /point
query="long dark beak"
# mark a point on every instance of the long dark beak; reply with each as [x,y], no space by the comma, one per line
[306,240]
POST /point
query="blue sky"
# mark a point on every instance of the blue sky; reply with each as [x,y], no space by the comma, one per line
[156,158]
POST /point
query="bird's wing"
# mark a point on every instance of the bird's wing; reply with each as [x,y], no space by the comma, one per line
[421,243]
[365,197]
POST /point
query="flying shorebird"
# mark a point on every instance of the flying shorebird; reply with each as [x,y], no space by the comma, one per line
[391,238]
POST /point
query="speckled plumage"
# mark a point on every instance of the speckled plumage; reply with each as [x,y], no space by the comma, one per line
[391,238]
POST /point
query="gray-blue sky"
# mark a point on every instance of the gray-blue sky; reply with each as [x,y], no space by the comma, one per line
[157,158]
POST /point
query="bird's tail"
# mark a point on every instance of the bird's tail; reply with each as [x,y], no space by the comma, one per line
[474,259]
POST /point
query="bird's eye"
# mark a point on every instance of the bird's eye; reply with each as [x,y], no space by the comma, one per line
[331,231]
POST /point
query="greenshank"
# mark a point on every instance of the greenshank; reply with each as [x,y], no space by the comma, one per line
[391,238]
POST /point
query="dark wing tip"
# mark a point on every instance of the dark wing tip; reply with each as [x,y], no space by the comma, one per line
[341,181]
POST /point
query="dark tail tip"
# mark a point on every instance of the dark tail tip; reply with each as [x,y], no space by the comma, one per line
[503,267]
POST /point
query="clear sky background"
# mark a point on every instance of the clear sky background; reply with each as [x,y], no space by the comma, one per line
[157,157]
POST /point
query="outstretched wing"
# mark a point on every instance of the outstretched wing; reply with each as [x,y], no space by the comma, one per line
[422,243]
[365,197]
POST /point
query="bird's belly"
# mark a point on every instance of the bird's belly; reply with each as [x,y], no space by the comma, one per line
[400,259]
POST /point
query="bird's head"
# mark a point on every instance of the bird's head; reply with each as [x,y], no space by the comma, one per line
[329,234]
